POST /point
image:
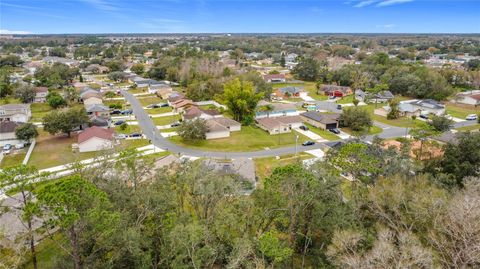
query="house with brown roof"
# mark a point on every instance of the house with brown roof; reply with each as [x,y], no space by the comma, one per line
[275,78]
[174,97]
[7,133]
[335,90]
[164,92]
[181,104]
[321,121]
[91,98]
[40,94]
[15,112]
[193,112]
[221,127]
[279,125]
[95,139]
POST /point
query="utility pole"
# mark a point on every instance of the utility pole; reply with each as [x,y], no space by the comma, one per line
[296,140]
[153,139]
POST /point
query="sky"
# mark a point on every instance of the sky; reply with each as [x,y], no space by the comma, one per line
[239,16]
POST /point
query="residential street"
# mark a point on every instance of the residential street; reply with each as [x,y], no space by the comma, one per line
[152,133]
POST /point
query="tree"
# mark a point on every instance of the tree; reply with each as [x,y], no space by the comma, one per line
[421,132]
[378,88]
[117,76]
[273,248]
[25,93]
[193,129]
[55,100]
[356,118]
[76,206]
[26,131]
[282,60]
[115,65]
[441,123]
[64,121]
[307,69]
[20,177]
[5,83]
[10,60]
[241,100]
[70,95]
[56,76]
[394,112]
[138,68]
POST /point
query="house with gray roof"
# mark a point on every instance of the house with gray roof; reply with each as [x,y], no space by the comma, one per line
[15,112]
[321,121]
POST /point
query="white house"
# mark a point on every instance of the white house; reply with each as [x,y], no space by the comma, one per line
[15,112]
[221,127]
[95,139]
[472,98]
[7,133]
[40,94]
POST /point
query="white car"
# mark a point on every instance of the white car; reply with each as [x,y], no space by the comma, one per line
[472,117]
[7,148]
[121,136]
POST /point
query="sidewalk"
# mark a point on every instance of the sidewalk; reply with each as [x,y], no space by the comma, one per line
[311,135]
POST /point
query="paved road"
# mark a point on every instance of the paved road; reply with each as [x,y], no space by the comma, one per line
[152,133]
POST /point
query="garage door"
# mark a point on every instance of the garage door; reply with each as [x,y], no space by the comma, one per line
[331,126]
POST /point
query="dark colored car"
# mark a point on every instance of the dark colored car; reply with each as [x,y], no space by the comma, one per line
[120,122]
[164,105]
[303,127]
[153,106]
[308,143]
[175,124]
[335,131]
[339,107]
[424,116]
[135,135]
[116,112]
[127,112]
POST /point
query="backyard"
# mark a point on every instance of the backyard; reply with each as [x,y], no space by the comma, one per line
[248,139]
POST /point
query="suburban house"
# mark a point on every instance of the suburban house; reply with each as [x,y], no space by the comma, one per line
[472,98]
[7,133]
[174,97]
[156,87]
[144,82]
[40,94]
[86,90]
[55,59]
[243,167]
[221,128]
[287,92]
[15,112]
[275,78]
[428,106]
[98,110]
[193,112]
[164,93]
[91,98]
[381,97]
[335,90]
[404,109]
[360,95]
[266,110]
[95,138]
[321,121]
[181,105]
[97,69]
[279,125]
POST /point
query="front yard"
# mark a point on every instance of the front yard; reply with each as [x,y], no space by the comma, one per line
[145,101]
[460,111]
[265,166]
[39,110]
[309,87]
[248,139]
[160,121]
[372,131]
[323,133]
[14,158]
[159,110]
[475,127]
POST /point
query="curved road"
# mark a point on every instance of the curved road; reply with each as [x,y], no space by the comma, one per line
[151,132]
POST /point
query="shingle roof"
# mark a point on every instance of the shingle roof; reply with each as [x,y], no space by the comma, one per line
[87,95]
[226,122]
[96,108]
[8,126]
[95,131]
[214,126]
[323,118]
[40,89]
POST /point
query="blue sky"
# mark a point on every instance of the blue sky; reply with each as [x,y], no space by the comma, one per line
[239,16]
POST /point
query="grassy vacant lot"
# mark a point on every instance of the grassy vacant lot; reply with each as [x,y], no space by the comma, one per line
[166,120]
[13,159]
[130,129]
[119,102]
[159,110]
[138,90]
[248,139]
[265,166]
[9,100]
[94,85]
[372,131]
[346,100]
[460,112]
[323,133]
[307,86]
[145,101]
[475,127]
[39,110]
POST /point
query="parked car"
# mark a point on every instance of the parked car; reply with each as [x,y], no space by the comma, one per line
[472,117]
[164,105]
[135,135]
[424,116]
[154,106]
[120,122]
[121,136]
[339,107]
[7,148]
[303,127]
[175,124]
[19,146]
[308,143]
[332,97]
[127,112]
[334,130]
[116,112]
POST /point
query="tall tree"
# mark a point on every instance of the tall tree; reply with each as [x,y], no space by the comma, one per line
[65,121]
[26,131]
[241,100]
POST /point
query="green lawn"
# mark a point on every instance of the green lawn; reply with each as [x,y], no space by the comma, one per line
[47,250]
[168,130]
[39,110]
[475,127]
[13,159]
[265,166]
[94,85]
[150,100]
[323,133]
[134,143]
[159,110]
[9,100]
[346,100]
[130,129]
[460,112]
[307,86]
[138,90]
[372,131]
[248,139]
[400,122]
[166,120]
[122,84]
[119,102]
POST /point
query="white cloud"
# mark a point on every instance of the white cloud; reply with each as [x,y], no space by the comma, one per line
[386,26]
[377,3]
[392,2]
[316,9]
[101,5]
[14,32]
